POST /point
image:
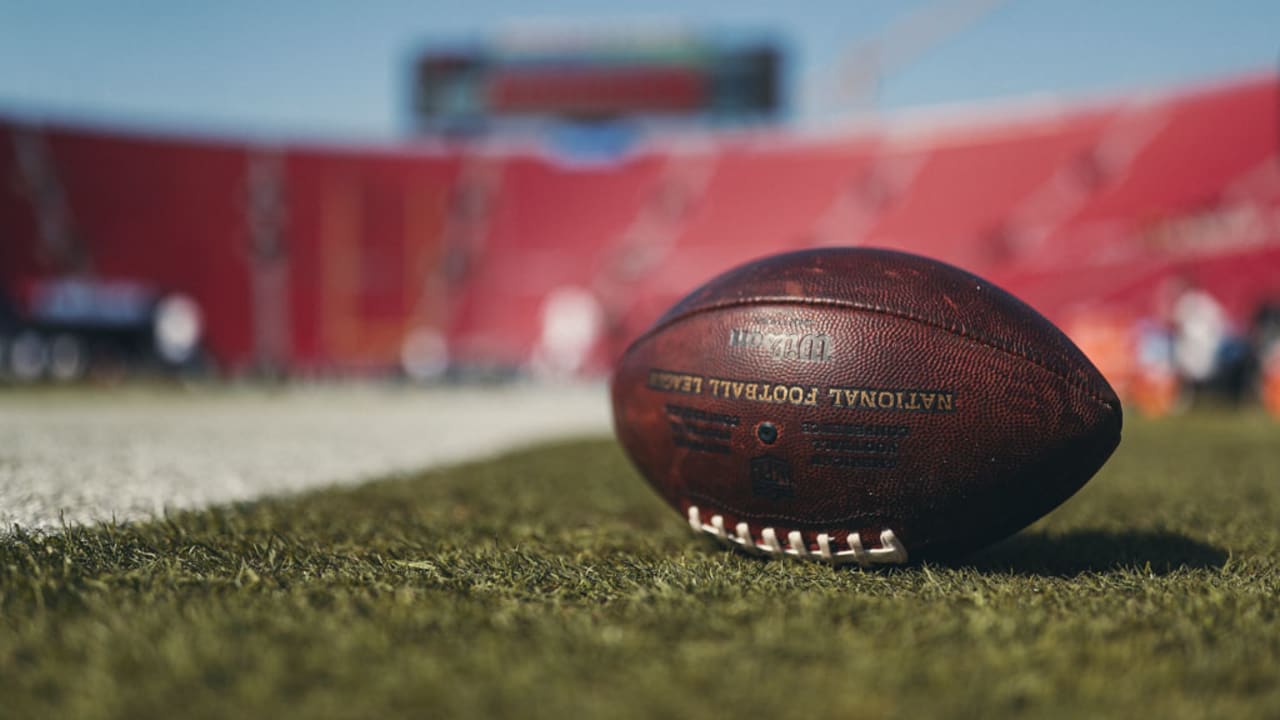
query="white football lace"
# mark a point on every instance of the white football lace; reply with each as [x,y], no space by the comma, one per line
[891,551]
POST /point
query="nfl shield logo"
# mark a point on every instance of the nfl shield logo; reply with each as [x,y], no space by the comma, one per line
[771,477]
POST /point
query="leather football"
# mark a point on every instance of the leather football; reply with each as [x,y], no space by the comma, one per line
[863,406]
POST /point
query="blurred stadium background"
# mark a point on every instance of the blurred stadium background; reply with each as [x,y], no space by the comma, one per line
[561,185]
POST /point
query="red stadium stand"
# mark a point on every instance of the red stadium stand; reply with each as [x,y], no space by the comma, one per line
[962,198]
[320,259]
[546,228]
[167,213]
[741,203]
[1193,188]
[1207,141]
[21,253]
[365,237]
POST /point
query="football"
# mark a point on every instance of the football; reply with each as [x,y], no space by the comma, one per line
[864,406]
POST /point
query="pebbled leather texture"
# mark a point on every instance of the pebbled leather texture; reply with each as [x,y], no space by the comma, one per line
[858,390]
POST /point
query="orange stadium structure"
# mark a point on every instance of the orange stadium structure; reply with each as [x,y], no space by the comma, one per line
[329,259]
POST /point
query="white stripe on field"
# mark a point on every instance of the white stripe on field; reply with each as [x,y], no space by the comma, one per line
[76,457]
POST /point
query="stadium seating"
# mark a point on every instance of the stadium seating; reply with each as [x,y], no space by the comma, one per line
[162,211]
[321,258]
[740,203]
[963,198]
[544,228]
[365,233]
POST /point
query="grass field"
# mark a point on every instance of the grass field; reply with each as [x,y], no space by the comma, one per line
[551,583]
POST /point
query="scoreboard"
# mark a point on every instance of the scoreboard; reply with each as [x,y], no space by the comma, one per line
[699,78]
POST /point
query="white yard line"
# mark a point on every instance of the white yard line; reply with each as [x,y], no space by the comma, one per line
[81,457]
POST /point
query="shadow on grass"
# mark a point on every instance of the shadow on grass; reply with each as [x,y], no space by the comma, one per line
[1087,551]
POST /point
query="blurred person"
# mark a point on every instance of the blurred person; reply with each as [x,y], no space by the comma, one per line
[1269,386]
[573,321]
[1266,347]
[1156,388]
[1206,353]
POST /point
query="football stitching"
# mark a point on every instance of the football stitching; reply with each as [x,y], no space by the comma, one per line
[891,550]
[960,332]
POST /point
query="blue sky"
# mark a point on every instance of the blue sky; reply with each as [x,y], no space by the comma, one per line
[330,69]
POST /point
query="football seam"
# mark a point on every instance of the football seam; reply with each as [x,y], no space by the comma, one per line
[984,341]
[759,518]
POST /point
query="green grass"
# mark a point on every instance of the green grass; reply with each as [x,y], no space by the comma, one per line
[551,583]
